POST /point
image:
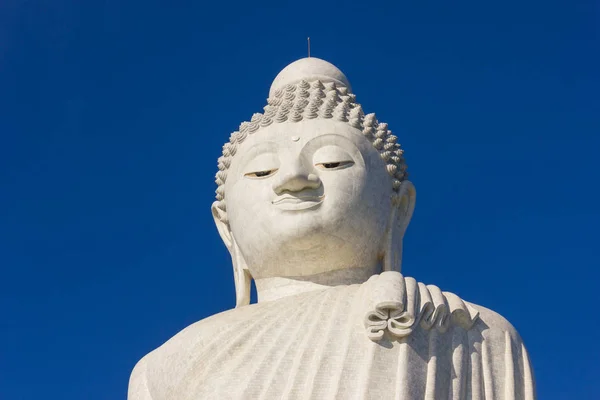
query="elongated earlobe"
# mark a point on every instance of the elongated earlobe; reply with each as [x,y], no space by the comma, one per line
[392,259]
[241,275]
[402,211]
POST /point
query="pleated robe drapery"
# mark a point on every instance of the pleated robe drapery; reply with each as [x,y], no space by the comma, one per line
[388,338]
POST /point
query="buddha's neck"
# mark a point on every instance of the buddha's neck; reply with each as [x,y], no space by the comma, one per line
[275,288]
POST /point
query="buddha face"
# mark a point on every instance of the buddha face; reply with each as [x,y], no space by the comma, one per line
[306,198]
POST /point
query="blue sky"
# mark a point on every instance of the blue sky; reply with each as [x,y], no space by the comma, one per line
[112,116]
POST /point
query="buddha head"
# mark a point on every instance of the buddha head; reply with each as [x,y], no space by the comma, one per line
[312,185]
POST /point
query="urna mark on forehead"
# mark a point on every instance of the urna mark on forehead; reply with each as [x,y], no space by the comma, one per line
[290,143]
[313,89]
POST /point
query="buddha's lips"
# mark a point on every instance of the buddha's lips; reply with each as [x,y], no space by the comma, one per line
[293,203]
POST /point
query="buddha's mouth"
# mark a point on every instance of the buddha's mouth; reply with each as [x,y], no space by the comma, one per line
[288,202]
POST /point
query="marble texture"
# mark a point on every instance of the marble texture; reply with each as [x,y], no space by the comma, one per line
[316,345]
[313,202]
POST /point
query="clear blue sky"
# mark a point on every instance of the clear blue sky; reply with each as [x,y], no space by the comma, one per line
[113,113]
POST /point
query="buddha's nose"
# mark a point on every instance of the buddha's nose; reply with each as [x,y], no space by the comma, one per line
[296,180]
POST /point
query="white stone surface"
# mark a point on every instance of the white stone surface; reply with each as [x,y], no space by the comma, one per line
[313,203]
[308,69]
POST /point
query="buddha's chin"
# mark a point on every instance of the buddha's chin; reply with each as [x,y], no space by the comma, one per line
[308,235]
[306,255]
[305,239]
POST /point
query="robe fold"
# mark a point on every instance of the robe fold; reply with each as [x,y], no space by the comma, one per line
[388,338]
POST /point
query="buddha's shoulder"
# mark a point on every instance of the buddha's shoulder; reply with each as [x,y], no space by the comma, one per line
[210,326]
[491,323]
[159,368]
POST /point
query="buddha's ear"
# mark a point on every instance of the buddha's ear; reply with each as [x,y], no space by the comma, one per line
[402,211]
[241,274]
[220,217]
[407,196]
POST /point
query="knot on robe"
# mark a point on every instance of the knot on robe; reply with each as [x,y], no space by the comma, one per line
[398,305]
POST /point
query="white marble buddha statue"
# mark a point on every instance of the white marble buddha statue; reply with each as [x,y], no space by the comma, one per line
[313,202]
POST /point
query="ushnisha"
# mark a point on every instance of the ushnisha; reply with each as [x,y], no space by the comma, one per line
[312,203]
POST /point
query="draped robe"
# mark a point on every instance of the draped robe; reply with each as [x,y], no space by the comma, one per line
[388,338]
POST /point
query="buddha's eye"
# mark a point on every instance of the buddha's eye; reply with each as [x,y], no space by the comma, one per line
[335,165]
[261,174]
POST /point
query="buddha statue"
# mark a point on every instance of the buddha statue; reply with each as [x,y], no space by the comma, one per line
[312,203]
